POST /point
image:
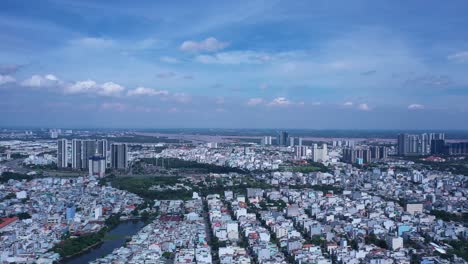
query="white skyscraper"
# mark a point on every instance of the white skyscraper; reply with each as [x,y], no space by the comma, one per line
[319,154]
[97,166]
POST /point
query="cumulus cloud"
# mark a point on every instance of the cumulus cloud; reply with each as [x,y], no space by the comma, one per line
[6,79]
[37,81]
[91,87]
[280,101]
[363,107]
[255,101]
[110,88]
[416,107]
[146,91]
[459,56]
[208,45]
[348,103]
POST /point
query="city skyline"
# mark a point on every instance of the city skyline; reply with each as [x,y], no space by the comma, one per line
[252,64]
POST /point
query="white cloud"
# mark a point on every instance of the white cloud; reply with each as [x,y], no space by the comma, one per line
[208,45]
[41,81]
[167,59]
[348,104]
[6,79]
[264,86]
[81,87]
[110,88]
[316,103]
[280,101]
[364,107]
[182,97]
[146,91]
[255,101]
[90,86]
[416,107]
[459,56]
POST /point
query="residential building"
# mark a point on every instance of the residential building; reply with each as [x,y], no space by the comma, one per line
[119,156]
[62,153]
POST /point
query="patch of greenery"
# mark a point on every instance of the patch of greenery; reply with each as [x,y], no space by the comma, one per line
[6,176]
[174,163]
[141,185]
[460,248]
[71,246]
[372,239]
[23,216]
[446,216]
[323,187]
[18,156]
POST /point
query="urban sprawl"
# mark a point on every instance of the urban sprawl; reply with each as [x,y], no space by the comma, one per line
[274,199]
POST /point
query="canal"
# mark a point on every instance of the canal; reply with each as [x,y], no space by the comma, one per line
[114,239]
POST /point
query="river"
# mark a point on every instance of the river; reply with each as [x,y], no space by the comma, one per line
[114,239]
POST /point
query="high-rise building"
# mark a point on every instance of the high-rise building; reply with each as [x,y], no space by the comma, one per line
[300,142]
[88,150]
[266,140]
[70,212]
[76,154]
[300,152]
[212,144]
[62,153]
[319,154]
[97,166]
[459,148]
[83,150]
[54,133]
[364,155]
[437,136]
[283,138]
[119,156]
[291,141]
[413,145]
[437,146]
[102,148]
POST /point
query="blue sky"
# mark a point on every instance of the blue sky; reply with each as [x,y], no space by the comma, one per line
[247,64]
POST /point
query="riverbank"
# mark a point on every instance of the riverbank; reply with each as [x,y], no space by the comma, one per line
[116,238]
[72,246]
